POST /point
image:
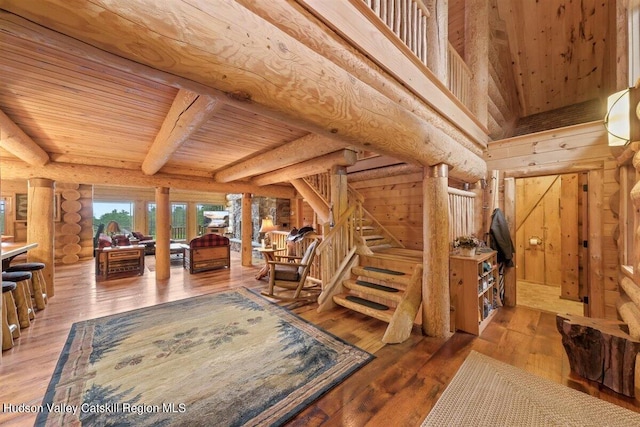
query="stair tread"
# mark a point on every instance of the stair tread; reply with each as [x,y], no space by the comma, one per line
[375,290]
[373,237]
[400,280]
[367,303]
[384,270]
[376,286]
[347,301]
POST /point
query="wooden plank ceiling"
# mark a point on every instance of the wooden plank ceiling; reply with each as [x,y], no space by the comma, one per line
[561,51]
[80,110]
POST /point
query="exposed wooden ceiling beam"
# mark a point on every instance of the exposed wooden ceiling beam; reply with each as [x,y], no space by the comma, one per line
[15,141]
[100,175]
[188,112]
[319,205]
[297,151]
[284,79]
[310,167]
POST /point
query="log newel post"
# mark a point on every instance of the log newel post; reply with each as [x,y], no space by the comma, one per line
[40,227]
[437,38]
[163,234]
[435,279]
[339,196]
[477,56]
[246,230]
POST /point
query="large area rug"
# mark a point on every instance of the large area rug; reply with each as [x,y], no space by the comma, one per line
[225,359]
[487,392]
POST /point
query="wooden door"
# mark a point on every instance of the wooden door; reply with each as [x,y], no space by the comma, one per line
[547,238]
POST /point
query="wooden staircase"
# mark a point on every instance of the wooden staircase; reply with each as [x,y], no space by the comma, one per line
[386,286]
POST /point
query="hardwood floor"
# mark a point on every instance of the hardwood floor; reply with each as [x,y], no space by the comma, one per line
[398,387]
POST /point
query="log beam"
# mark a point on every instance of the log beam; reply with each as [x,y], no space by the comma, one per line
[316,202]
[297,151]
[187,114]
[310,167]
[99,175]
[283,79]
[15,141]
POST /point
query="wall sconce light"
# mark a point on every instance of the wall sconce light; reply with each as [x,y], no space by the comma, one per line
[622,120]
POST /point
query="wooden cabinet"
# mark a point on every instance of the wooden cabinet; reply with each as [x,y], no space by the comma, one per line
[117,262]
[205,259]
[474,288]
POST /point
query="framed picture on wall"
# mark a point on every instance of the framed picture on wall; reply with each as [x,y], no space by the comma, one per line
[21,207]
[57,213]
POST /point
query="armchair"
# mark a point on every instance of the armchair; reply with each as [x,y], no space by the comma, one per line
[206,252]
[290,273]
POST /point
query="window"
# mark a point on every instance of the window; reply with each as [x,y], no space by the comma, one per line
[3,217]
[121,212]
[178,220]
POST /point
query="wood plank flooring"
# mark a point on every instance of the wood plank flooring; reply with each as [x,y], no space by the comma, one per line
[397,388]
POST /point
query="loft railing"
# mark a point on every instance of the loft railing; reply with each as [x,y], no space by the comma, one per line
[459,76]
[321,183]
[409,20]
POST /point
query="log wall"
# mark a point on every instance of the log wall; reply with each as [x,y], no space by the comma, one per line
[573,149]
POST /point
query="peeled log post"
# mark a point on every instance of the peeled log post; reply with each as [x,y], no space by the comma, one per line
[599,350]
[40,228]
[163,234]
[436,304]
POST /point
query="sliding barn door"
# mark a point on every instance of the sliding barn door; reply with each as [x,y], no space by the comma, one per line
[547,239]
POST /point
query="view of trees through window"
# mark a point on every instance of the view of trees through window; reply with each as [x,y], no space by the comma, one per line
[121,212]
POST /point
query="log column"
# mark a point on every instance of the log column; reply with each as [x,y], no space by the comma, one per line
[40,227]
[435,233]
[247,230]
[163,234]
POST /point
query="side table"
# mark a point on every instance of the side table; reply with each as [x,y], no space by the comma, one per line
[269,255]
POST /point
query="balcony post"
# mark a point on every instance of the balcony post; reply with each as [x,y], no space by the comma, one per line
[476,52]
[437,40]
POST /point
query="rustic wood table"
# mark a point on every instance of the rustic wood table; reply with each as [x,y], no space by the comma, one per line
[269,254]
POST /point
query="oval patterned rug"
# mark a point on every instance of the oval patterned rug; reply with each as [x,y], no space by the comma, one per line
[224,359]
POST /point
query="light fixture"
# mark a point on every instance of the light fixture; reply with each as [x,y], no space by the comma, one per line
[266,226]
[622,120]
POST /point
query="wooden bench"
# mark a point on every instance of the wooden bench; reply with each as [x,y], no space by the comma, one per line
[601,350]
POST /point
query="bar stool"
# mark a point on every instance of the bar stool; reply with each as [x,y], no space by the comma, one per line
[38,285]
[10,326]
[22,295]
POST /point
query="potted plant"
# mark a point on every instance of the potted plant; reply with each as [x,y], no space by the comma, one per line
[467,245]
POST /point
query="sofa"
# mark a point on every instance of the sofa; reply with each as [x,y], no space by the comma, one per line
[206,252]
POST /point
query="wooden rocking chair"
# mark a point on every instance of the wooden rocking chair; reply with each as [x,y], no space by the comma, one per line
[290,273]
